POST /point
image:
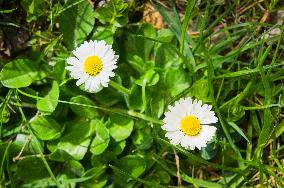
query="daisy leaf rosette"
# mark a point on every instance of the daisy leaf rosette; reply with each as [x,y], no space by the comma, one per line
[188,123]
[92,65]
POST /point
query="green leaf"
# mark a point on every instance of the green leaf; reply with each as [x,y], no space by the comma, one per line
[34,8]
[77,138]
[103,33]
[134,100]
[279,129]
[19,73]
[150,78]
[4,114]
[115,12]
[96,176]
[239,130]
[208,152]
[120,127]
[76,23]
[143,139]
[118,148]
[50,101]
[74,168]
[164,177]
[45,128]
[138,44]
[132,164]
[166,56]
[100,143]
[176,80]
[200,90]
[60,155]
[31,147]
[31,168]
[83,111]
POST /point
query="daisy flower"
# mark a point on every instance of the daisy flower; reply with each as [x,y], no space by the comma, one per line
[92,65]
[187,123]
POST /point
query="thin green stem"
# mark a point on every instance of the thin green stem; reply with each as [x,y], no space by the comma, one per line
[24,120]
[128,113]
[119,87]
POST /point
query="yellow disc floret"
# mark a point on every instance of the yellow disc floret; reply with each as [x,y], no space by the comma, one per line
[93,65]
[190,125]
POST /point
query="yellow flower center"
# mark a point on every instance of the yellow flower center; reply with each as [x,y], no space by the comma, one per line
[93,65]
[190,125]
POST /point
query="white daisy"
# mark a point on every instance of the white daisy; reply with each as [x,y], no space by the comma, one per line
[92,65]
[187,123]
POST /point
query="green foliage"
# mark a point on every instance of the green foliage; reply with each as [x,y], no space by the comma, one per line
[48,104]
[101,141]
[34,8]
[45,128]
[76,23]
[20,73]
[114,13]
[54,134]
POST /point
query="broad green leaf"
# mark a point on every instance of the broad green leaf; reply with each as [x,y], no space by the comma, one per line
[60,155]
[77,138]
[100,143]
[114,13]
[143,139]
[164,177]
[134,100]
[165,35]
[45,128]
[108,96]
[59,71]
[157,106]
[74,167]
[96,177]
[120,127]
[166,56]
[103,33]
[137,44]
[208,152]
[49,103]
[76,23]
[82,110]
[138,64]
[151,78]
[279,129]
[31,168]
[31,146]
[176,80]
[200,90]
[19,73]
[132,164]
[118,148]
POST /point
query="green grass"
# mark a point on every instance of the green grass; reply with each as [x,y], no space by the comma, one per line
[55,134]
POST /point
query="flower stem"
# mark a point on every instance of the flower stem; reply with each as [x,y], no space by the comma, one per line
[119,87]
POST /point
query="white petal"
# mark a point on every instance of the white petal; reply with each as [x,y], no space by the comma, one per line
[83,51]
[175,137]
[206,134]
[211,118]
[188,142]
[73,61]
[170,127]
[82,80]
